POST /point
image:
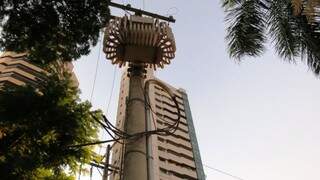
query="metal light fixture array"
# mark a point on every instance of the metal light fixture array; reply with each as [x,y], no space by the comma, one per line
[140,40]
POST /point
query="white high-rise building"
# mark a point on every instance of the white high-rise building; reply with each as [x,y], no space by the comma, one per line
[173,157]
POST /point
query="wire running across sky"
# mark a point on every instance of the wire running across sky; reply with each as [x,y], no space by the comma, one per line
[112,88]
[223,172]
[96,69]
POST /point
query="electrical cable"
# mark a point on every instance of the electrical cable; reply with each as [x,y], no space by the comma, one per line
[163,131]
[91,169]
[92,143]
[121,135]
[155,113]
[99,171]
[118,135]
[143,5]
[223,172]
[147,99]
[96,166]
[166,122]
[170,129]
[107,127]
[112,87]
[110,96]
[152,116]
[122,161]
[174,10]
[96,70]
[80,168]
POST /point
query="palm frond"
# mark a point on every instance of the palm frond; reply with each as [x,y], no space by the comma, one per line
[297,6]
[309,11]
[310,48]
[245,34]
[230,3]
[282,30]
[309,8]
[293,25]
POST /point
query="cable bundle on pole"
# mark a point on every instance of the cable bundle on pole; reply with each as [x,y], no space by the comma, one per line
[117,134]
[173,127]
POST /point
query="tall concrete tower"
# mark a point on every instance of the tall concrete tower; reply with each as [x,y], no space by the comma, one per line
[154,133]
[139,42]
[172,157]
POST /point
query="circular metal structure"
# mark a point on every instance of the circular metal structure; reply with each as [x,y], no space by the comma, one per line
[139,40]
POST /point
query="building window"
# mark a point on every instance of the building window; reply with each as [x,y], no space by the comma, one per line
[161,149]
[162,159]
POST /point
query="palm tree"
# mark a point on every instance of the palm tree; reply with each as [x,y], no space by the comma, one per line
[309,8]
[292,25]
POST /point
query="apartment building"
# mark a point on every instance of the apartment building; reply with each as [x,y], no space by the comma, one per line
[173,157]
[15,70]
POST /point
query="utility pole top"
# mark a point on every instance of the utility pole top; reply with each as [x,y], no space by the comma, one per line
[141,12]
[139,39]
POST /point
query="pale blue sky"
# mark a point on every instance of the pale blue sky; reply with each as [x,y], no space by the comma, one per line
[258,120]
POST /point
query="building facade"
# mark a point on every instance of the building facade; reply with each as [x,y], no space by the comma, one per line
[15,70]
[173,157]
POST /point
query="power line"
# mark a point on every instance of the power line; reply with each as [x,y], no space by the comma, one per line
[110,97]
[99,172]
[80,168]
[112,87]
[96,71]
[223,172]
[172,11]
[143,4]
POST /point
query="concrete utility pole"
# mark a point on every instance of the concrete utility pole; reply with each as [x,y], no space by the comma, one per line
[135,158]
[106,164]
[138,41]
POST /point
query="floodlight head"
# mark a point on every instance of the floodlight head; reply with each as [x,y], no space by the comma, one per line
[138,39]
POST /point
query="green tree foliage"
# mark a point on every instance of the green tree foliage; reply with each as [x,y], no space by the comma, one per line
[51,30]
[294,33]
[38,126]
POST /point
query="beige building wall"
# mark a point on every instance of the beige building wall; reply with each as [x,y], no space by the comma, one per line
[172,156]
[15,70]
